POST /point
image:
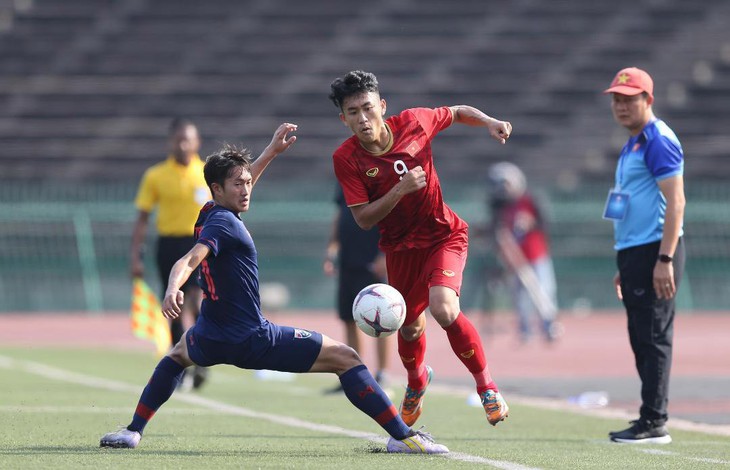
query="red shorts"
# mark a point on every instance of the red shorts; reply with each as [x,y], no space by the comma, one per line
[413,272]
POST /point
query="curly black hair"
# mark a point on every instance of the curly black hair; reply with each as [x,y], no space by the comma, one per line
[354,83]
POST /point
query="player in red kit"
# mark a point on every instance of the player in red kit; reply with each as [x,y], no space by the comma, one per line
[387,174]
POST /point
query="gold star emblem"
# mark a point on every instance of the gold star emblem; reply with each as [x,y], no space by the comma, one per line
[623,78]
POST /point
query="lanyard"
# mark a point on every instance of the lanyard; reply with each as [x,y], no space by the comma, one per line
[631,146]
[621,159]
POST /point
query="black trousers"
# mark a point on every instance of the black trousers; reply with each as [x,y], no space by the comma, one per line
[350,282]
[650,324]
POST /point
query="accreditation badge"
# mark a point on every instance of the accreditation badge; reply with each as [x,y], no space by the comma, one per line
[202,195]
[617,204]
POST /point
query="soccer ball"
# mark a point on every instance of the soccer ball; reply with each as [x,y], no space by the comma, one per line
[379,310]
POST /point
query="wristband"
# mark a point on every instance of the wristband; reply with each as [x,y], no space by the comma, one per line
[665,258]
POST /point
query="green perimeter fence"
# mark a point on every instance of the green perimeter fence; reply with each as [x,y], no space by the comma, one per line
[64,247]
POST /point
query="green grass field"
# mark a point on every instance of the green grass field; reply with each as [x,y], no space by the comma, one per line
[56,403]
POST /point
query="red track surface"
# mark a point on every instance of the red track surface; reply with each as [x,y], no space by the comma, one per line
[593,345]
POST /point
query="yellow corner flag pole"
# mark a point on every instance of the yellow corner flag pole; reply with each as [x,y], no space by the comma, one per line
[147,320]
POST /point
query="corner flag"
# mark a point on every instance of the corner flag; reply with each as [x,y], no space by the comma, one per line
[147,320]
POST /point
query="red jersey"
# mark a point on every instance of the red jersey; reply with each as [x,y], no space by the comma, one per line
[420,219]
[533,241]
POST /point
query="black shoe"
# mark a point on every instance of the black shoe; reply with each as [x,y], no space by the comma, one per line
[200,374]
[642,432]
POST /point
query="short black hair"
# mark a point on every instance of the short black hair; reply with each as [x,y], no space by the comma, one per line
[220,165]
[354,83]
[180,123]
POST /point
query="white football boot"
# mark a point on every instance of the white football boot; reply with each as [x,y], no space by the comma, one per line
[420,442]
[121,439]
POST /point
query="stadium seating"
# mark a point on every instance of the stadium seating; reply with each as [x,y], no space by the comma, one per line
[87,87]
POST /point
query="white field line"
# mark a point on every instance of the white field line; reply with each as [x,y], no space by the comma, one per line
[96,410]
[612,413]
[675,454]
[62,375]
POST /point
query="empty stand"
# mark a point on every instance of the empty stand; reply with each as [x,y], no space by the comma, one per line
[87,87]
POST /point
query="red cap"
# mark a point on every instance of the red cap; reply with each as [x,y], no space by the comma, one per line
[631,81]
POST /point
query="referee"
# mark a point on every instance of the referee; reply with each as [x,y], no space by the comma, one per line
[177,189]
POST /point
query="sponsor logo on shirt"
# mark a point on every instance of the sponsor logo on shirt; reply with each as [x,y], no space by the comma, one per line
[301,334]
[407,359]
[636,147]
[372,172]
[448,273]
[413,148]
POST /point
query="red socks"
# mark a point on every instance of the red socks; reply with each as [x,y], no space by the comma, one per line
[412,354]
[465,342]
[467,345]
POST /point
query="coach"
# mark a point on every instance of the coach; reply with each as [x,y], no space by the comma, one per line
[647,209]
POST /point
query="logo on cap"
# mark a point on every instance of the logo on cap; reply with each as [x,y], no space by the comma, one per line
[631,81]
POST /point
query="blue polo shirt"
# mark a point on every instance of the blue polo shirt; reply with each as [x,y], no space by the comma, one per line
[231,308]
[653,155]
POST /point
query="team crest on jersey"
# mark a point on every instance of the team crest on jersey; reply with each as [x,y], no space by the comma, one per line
[413,148]
[372,172]
[448,273]
[301,334]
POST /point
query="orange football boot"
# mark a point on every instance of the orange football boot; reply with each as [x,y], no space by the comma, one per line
[412,404]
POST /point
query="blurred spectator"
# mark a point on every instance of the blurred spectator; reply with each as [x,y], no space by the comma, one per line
[177,189]
[353,254]
[520,238]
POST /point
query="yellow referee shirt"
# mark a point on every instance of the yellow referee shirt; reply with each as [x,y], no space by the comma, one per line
[177,191]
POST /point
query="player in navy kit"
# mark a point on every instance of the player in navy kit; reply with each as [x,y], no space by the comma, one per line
[231,328]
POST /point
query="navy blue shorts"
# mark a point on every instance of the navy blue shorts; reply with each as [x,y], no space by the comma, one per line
[271,347]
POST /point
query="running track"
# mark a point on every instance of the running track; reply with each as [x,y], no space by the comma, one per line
[593,354]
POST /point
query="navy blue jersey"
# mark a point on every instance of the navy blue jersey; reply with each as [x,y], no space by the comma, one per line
[231,308]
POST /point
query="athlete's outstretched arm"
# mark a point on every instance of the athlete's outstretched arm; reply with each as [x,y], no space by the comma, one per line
[279,143]
[181,271]
[369,214]
[499,130]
